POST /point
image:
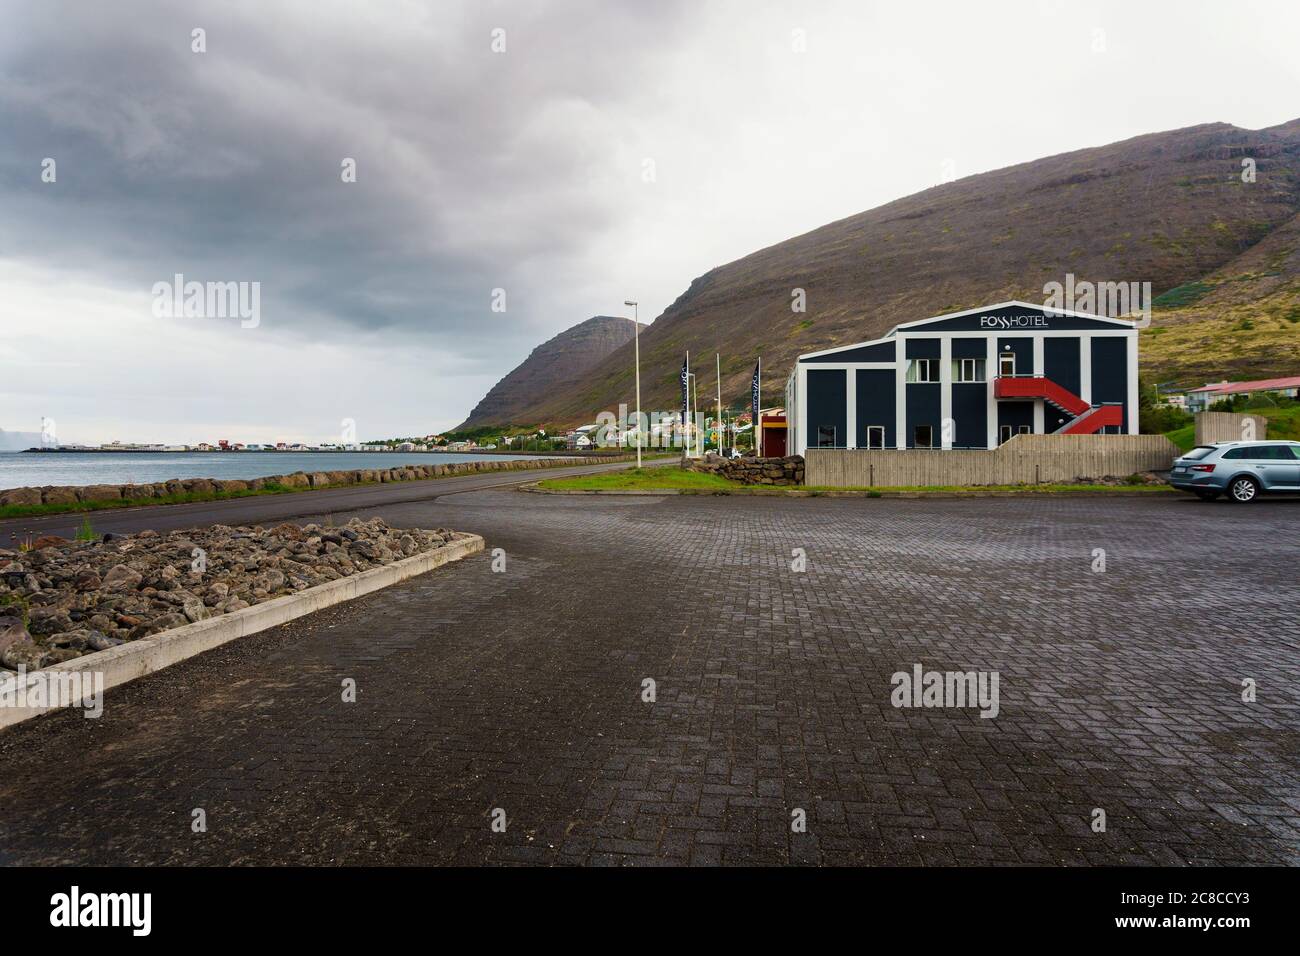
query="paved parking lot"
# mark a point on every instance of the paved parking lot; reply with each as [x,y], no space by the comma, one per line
[522,690]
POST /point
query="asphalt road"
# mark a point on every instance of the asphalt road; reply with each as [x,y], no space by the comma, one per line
[261,509]
[773,630]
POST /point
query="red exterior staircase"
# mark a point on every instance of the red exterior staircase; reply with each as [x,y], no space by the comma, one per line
[1085,419]
[1093,420]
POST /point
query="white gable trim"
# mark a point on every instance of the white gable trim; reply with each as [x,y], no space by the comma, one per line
[1018,304]
[890,335]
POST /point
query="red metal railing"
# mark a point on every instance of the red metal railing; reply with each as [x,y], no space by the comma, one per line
[1039,386]
[1088,419]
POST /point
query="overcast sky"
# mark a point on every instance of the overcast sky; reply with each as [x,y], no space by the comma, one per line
[613,150]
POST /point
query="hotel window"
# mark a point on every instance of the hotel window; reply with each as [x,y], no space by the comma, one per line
[1007,363]
[1004,433]
[875,436]
[968,370]
[923,370]
[826,437]
[923,437]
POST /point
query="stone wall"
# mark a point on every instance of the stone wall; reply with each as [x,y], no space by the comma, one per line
[753,471]
[63,495]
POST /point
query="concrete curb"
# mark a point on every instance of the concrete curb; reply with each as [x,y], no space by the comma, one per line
[126,662]
[807,493]
[533,488]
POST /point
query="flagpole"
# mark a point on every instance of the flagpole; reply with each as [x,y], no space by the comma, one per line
[686,404]
[719,357]
[636,334]
[758,440]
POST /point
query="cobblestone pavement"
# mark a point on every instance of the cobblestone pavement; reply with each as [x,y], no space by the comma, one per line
[522,690]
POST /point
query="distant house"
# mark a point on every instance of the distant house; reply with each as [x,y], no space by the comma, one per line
[1199,399]
[581,437]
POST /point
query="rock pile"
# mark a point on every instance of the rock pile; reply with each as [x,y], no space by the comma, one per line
[65,598]
[753,471]
[1138,478]
[67,495]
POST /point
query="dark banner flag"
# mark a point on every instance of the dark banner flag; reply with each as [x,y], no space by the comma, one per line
[686,370]
[755,388]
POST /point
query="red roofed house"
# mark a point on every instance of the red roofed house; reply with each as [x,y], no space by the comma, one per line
[1199,399]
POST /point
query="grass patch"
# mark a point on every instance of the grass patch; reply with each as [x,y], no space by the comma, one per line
[1184,437]
[660,479]
[16,604]
[641,479]
[1182,295]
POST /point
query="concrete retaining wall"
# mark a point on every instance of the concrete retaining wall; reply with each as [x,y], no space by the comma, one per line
[63,494]
[134,659]
[1025,459]
[1229,426]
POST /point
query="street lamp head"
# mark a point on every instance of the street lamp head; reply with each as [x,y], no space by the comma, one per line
[629,303]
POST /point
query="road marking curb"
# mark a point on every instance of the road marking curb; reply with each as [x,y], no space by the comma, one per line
[135,659]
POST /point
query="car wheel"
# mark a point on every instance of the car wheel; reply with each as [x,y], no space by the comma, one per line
[1207,495]
[1243,489]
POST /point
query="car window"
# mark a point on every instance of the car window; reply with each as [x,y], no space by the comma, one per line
[1235,453]
[1274,453]
[1293,449]
[1200,451]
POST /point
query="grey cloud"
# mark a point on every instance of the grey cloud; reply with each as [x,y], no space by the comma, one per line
[473,168]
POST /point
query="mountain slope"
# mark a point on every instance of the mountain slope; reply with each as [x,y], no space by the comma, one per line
[555,366]
[1169,208]
[1240,322]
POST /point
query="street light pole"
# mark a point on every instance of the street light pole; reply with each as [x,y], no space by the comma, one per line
[636,337]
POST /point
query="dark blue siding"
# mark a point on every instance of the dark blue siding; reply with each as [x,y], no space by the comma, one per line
[923,408]
[1110,371]
[922,348]
[970,412]
[1061,362]
[877,399]
[827,405]
[969,348]
[1024,349]
[1015,414]
[882,352]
